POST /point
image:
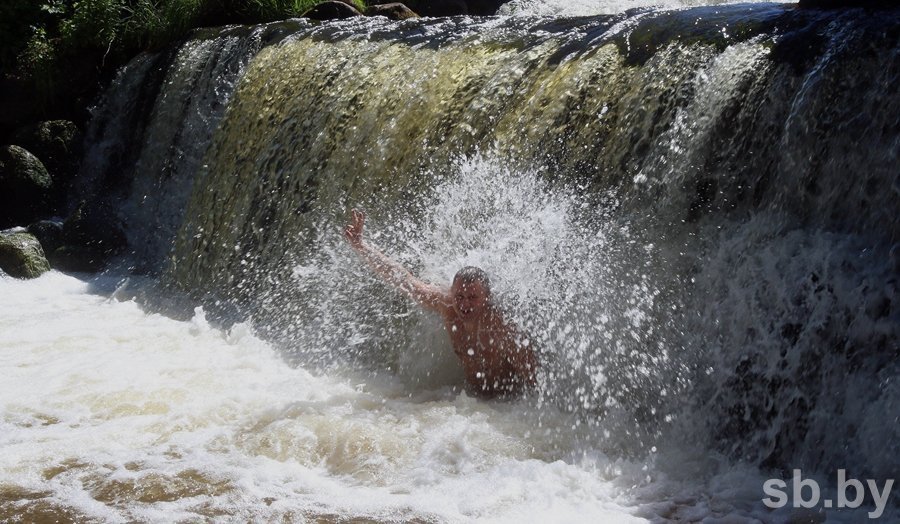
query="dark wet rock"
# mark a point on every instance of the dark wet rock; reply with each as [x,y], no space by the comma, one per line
[331,10]
[393,11]
[447,7]
[78,258]
[705,194]
[90,237]
[58,145]
[21,255]
[50,234]
[25,187]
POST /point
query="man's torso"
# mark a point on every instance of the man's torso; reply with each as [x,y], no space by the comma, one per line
[484,351]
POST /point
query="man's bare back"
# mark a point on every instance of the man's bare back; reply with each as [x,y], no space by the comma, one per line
[496,360]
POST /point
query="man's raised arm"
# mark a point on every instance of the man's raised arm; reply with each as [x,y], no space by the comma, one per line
[429,295]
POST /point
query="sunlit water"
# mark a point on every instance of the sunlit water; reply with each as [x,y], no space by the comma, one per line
[113,412]
[577,282]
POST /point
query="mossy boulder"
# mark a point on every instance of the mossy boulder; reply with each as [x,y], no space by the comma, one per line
[331,10]
[58,145]
[21,255]
[393,11]
[450,7]
[25,187]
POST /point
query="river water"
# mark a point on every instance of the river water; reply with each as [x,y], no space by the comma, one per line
[116,414]
[123,402]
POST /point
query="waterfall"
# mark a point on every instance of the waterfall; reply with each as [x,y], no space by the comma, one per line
[151,131]
[694,212]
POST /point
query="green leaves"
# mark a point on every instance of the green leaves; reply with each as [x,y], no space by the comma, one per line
[47,41]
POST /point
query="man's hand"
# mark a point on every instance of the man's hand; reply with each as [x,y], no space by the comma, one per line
[354,231]
[430,296]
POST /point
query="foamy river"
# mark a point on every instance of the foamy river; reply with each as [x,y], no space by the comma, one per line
[111,413]
[114,414]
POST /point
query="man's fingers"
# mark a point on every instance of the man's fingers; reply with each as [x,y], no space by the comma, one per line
[358,219]
[354,231]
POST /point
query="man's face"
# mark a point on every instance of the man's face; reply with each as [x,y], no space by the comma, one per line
[469,299]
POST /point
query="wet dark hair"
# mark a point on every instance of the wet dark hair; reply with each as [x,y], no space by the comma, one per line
[470,274]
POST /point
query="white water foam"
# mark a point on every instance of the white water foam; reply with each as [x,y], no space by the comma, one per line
[114,414]
[573,279]
[117,414]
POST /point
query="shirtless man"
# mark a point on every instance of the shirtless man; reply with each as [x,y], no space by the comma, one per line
[496,360]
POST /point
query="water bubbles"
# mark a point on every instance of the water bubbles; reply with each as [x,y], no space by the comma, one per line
[562,270]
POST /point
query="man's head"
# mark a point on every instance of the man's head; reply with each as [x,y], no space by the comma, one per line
[471,292]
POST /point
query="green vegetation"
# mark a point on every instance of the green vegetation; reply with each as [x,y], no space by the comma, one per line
[48,43]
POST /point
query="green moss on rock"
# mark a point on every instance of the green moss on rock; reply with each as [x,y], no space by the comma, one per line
[21,255]
[57,143]
[25,187]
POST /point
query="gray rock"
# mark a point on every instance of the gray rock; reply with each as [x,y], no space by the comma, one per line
[25,187]
[78,258]
[21,255]
[58,145]
[90,237]
[446,7]
[393,11]
[49,234]
[331,10]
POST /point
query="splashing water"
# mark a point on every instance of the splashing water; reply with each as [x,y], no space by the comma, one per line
[568,275]
[114,414]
